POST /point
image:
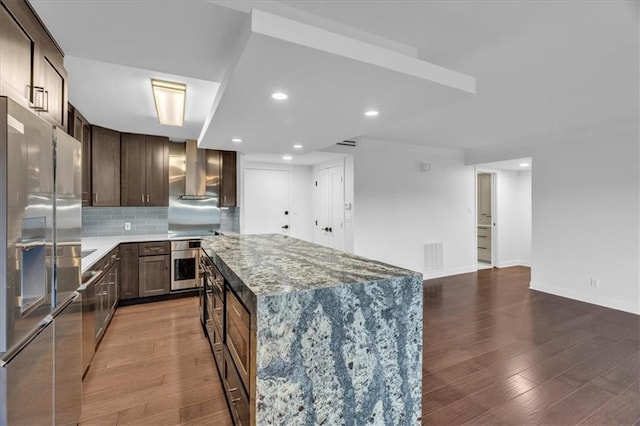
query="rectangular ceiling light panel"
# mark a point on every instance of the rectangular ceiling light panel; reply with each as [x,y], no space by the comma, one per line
[169,98]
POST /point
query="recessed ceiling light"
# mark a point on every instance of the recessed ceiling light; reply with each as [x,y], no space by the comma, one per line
[297,146]
[287,157]
[524,164]
[279,96]
[371,113]
[236,140]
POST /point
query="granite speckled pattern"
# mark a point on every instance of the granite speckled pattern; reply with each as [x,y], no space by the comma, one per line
[341,356]
[336,338]
[273,263]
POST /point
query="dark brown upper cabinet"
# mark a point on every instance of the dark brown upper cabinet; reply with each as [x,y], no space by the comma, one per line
[17,50]
[80,129]
[31,63]
[145,170]
[105,167]
[227,179]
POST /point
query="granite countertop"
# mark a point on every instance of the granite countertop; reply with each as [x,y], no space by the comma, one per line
[273,263]
[103,245]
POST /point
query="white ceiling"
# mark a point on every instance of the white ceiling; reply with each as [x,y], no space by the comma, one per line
[121,98]
[310,159]
[542,67]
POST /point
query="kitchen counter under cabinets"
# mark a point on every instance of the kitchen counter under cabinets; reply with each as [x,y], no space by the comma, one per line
[100,246]
[314,335]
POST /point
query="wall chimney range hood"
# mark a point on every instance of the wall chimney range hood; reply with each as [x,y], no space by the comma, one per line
[195,172]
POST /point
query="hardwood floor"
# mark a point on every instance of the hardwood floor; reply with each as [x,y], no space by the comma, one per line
[154,367]
[495,352]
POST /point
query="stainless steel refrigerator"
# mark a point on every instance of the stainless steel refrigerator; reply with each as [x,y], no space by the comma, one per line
[40,255]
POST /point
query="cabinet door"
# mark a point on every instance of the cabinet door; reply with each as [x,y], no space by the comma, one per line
[114,290]
[105,167]
[128,271]
[154,275]
[132,185]
[86,165]
[17,50]
[80,129]
[157,171]
[52,79]
[227,179]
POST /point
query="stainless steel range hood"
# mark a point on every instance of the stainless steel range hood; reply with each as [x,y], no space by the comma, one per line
[194,189]
[195,172]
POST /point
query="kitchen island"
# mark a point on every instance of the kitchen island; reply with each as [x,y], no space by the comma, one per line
[333,338]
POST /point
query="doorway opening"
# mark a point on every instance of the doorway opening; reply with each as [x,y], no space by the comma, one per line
[485,222]
[503,213]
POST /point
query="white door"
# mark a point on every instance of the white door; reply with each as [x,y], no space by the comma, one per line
[329,225]
[336,227]
[321,235]
[266,201]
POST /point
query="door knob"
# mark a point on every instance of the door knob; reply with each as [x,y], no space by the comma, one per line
[285,226]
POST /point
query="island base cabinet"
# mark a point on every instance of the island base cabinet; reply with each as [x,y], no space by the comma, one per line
[236,395]
[215,339]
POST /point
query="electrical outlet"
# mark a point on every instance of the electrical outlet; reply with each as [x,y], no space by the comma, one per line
[595,283]
[127,226]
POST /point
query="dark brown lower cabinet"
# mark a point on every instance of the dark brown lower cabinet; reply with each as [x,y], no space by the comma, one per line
[236,395]
[129,271]
[238,335]
[154,275]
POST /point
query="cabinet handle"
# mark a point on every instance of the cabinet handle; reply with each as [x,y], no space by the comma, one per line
[142,198]
[38,95]
[46,109]
[147,198]
[95,197]
[225,199]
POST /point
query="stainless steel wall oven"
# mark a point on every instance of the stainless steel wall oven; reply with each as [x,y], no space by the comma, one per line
[185,260]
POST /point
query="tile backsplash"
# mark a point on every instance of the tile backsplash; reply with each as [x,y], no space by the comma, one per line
[106,221]
[230,219]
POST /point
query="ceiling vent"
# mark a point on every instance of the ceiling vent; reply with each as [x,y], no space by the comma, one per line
[347,143]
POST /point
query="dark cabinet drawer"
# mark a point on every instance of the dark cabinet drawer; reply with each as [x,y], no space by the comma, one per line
[217,346]
[237,397]
[238,340]
[153,249]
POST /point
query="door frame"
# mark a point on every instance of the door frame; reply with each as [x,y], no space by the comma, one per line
[494,214]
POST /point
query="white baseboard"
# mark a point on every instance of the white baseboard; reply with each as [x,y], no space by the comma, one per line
[450,271]
[508,263]
[620,305]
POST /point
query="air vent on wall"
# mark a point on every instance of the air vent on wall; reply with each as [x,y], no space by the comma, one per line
[347,143]
[433,256]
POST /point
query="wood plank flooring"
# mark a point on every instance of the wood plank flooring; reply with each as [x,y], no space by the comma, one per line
[495,352]
[154,367]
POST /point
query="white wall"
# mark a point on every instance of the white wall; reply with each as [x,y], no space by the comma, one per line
[585,214]
[524,201]
[399,208]
[301,210]
[586,219]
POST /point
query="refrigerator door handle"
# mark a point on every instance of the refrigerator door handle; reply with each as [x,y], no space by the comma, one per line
[58,310]
[11,354]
